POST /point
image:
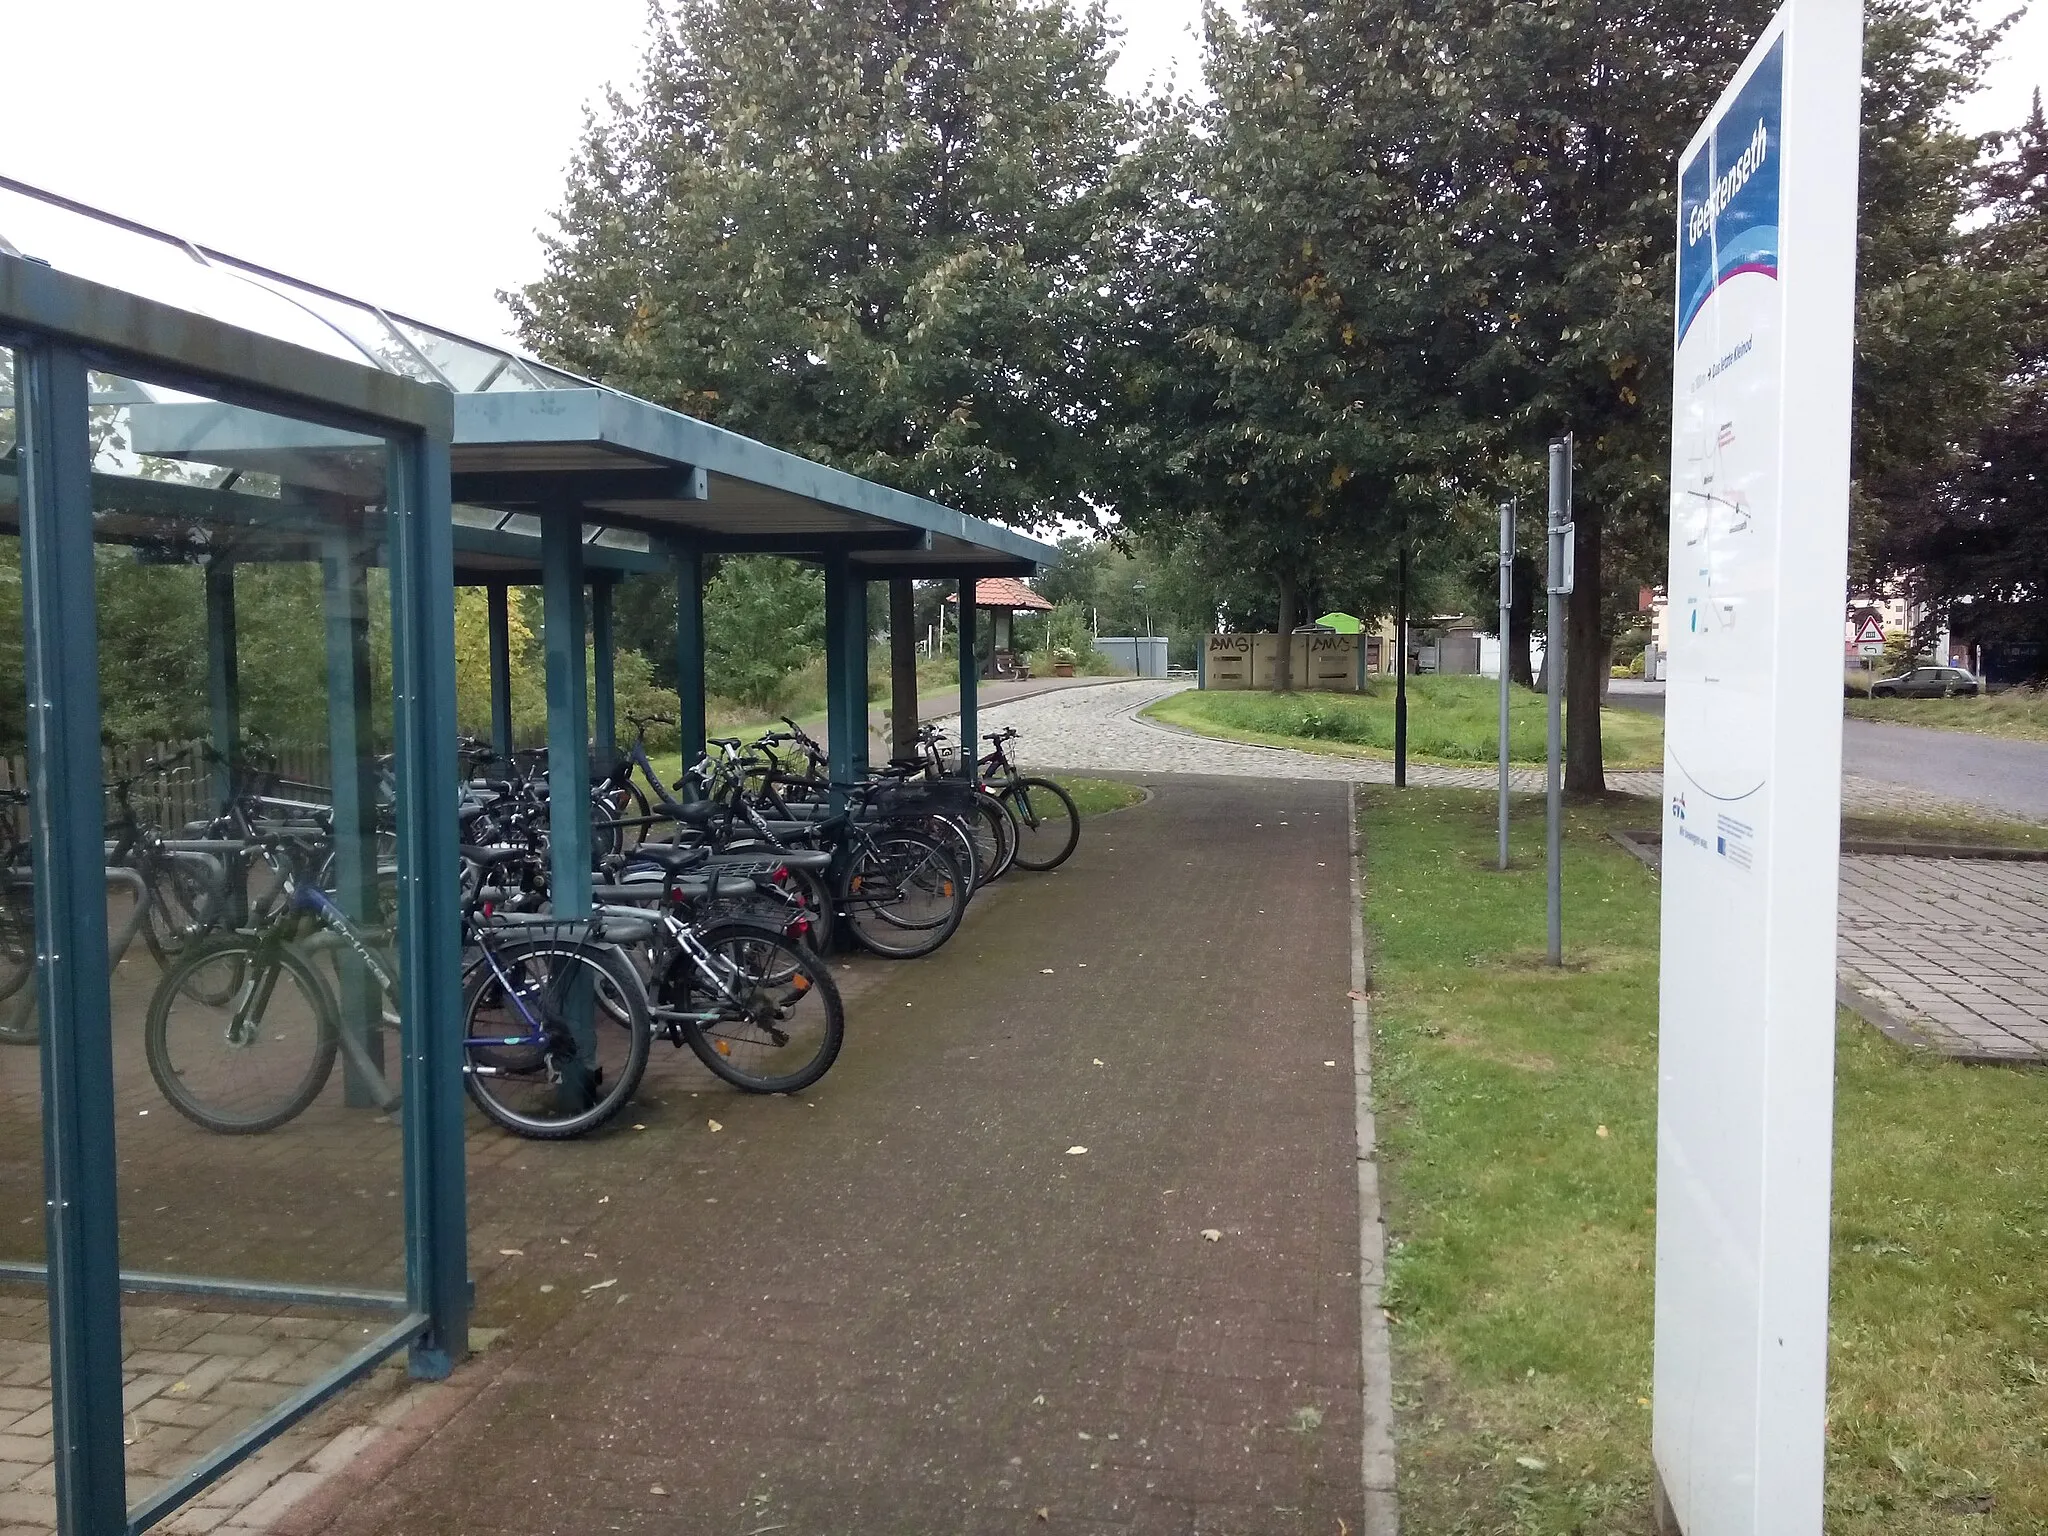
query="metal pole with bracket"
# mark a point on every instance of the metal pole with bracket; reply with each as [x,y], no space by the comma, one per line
[1559,583]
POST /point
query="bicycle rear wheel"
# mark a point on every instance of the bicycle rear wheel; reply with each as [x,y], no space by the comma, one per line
[1048,825]
[779,1021]
[903,895]
[521,1062]
[185,904]
[241,1034]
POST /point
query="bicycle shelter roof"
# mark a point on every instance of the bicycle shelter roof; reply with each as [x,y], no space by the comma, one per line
[527,436]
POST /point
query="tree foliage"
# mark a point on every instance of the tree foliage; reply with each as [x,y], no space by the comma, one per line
[880,234]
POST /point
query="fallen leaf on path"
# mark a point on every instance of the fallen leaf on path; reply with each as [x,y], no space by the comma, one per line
[1355,995]
[512,1253]
[1534,1464]
[1046,971]
[714,1125]
[1600,1131]
[1045,1514]
[1076,1151]
[545,1289]
[1329,1063]
[1212,1234]
[1083,964]
[1098,1061]
[657,1489]
[602,1285]
[639,1127]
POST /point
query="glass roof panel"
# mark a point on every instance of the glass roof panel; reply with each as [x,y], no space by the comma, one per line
[164,270]
[121,254]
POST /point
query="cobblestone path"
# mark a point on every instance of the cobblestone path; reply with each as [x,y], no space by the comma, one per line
[1101,729]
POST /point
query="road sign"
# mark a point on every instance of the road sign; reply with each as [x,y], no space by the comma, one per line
[1752,778]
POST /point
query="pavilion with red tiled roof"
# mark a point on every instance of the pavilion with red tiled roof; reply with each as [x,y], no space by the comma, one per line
[1002,596]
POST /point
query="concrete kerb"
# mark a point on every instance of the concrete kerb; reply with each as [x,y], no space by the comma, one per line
[1382,1504]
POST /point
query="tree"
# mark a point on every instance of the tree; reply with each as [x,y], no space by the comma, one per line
[1290,410]
[1970,534]
[763,618]
[1528,154]
[881,234]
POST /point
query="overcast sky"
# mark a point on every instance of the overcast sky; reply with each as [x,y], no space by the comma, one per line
[405,151]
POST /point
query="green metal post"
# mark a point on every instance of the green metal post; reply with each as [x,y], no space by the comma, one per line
[970,683]
[345,598]
[604,677]
[223,673]
[429,904]
[499,600]
[845,712]
[66,822]
[690,650]
[857,670]
[561,561]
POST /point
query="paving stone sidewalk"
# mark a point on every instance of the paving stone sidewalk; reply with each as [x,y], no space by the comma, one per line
[964,1285]
[1957,949]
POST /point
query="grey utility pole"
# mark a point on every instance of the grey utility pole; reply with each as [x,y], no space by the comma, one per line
[1507,597]
[1559,583]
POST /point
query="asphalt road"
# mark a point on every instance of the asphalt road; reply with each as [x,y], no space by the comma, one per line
[1987,771]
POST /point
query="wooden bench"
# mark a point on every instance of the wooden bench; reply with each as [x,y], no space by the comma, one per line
[1007,666]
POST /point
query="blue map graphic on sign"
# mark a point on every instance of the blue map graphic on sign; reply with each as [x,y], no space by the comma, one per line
[1728,194]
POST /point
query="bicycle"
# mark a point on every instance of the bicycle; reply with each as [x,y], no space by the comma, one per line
[1049,825]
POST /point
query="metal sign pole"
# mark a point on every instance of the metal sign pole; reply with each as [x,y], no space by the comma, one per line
[1507,595]
[1559,584]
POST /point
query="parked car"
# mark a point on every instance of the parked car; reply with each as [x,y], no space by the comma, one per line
[1928,683]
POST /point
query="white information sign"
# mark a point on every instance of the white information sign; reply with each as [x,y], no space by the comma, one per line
[1752,776]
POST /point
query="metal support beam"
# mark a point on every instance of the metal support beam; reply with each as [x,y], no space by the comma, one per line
[499,598]
[351,742]
[429,903]
[604,673]
[902,667]
[970,683]
[812,545]
[66,822]
[223,674]
[846,710]
[569,829]
[552,487]
[689,565]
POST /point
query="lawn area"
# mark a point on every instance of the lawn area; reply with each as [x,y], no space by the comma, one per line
[2020,713]
[1094,796]
[1517,1116]
[1453,720]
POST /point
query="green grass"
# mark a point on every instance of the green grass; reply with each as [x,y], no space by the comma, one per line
[1523,1239]
[2019,713]
[1094,796]
[1453,720]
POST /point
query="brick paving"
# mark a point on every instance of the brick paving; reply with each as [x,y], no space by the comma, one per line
[1957,948]
[901,1302]
[191,1379]
[1100,729]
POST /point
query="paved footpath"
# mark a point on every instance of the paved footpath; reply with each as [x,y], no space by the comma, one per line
[908,1301]
[1102,729]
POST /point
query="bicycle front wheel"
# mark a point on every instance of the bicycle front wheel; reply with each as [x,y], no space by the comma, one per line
[776,1021]
[1048,825]
[995,836]
[524,1064]
[240,1035]
[903,895]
